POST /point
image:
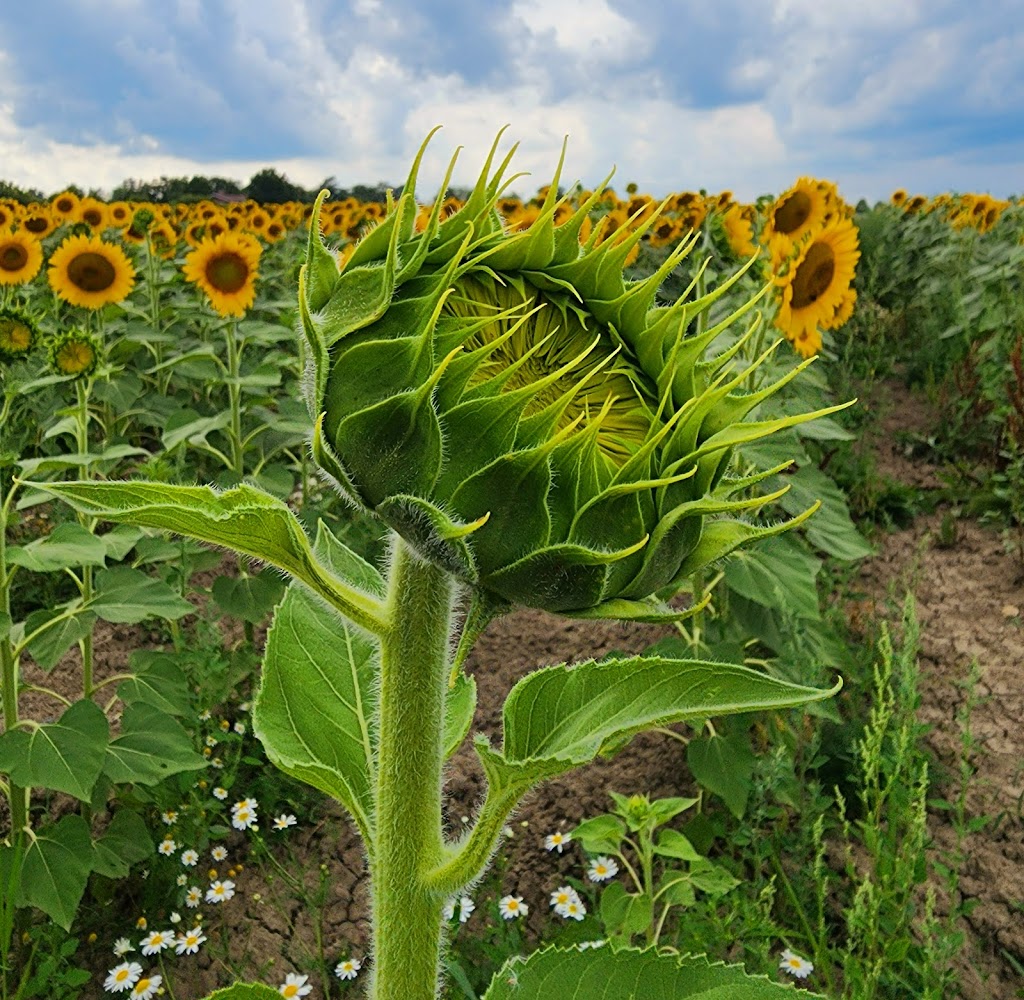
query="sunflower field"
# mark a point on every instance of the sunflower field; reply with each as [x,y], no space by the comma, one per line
[690,391]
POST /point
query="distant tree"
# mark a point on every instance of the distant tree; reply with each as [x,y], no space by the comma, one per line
[174,189]
[8,189]
[271,186]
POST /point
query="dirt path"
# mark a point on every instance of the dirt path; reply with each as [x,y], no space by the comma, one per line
[970,605]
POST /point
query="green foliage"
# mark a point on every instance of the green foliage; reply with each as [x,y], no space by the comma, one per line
[576,975]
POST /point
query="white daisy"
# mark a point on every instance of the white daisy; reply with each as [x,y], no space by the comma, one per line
[601,869]
[190,858]
[220,892]
[219,853]
[122,977]
[167,847]
[122,946]
[463,904]
[284,821]
[189,942]
[146,989]
[512,907]
[295,986]
[348,968]
[193,897]
[796,966]
[557,841]
[156,942]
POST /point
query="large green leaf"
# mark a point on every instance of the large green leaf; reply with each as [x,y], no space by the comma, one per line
[65,756]
[778,572]
[630,974]
[831,530]
[244,519]
[315,708]
[250,598]
[127,596]
[67,546]
[151,747]
[158,681]
[57,634]
[55,869]
[724,763]
[125,841]
[561,717]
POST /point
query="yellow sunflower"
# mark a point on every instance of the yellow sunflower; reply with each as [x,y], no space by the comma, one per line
[10,212]
[86,271]
[798,211]
[39,220]
[64,205]
[21,256]
[814,286]
[93,213]
[120,213]
[739,231]
[899,197]
[225,269]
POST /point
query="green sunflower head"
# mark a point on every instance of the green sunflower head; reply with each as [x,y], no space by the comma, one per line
[525,417]
[18,335]
[74,354]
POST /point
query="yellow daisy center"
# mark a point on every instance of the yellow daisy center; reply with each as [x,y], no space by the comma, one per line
[290,990]
[121,975]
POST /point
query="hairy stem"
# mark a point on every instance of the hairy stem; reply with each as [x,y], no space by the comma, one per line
[408,836]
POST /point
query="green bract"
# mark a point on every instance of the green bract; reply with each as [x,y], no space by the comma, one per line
[520,413]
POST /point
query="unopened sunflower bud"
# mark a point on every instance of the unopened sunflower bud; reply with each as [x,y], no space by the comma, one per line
[520,413]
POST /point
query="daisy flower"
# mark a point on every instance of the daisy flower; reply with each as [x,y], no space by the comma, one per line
[167,847]
[204,715]
[573,910]
[284,821]
[190,858]
[181,879]
[175,917]
[220,793]
[155,943]
[585,945]
[348,968]
[512,907]
[122,977]
[557,841]
[122,946]
[562,896]
[220,892]
[463,904]
[601,869]
[170,817]
[146,989]
[796,966]
[189,942]
[219,853]
[243,819]
[193,897]
[239,727]
[294,986]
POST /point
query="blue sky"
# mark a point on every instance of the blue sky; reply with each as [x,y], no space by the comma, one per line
[738,94]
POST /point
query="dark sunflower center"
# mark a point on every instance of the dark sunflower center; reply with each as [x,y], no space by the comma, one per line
[13,257]
[793,212]
[92,272]
[227,272]
[92,216]
[65,204]
[814,275]
[36,224]
[563,355]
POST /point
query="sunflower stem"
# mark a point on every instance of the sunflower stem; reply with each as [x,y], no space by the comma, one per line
[407,919]
[235,399]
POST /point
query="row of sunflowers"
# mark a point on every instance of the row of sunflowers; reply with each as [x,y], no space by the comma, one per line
[805,241]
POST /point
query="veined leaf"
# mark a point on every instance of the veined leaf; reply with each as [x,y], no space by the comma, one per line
[128,596]
[630,974]
[244,519]
[55,869]
[561,717]
[315,708]
[245,991]
[65,756]
[58,636]
[151,747]
[67,546]
[125,841]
